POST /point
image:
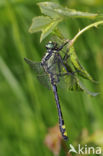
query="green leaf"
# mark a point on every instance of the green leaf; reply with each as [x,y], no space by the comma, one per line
[48,8]
[55,10]
[72,84]
[49,28]
[81,70]
[39,23]
[86,90]
[44,24]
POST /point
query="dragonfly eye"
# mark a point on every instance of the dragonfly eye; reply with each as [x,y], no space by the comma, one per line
[51,45]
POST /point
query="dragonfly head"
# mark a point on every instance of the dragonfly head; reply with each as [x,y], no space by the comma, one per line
[51,45]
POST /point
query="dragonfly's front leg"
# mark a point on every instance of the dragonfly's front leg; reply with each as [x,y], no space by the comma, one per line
[66,56]
[62,46]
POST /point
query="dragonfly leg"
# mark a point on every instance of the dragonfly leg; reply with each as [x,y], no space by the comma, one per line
[64,74]
[68,73]
[62,46]
[66,56]
[61,60]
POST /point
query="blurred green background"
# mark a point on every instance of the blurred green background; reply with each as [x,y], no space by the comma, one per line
[28,109]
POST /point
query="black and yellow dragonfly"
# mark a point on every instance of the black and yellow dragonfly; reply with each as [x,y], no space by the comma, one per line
[54,65]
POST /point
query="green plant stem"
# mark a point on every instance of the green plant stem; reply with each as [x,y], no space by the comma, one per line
[82,31]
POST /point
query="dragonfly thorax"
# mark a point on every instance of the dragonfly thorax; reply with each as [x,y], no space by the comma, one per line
[48,60]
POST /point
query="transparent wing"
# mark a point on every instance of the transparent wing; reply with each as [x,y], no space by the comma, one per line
[36,66]
[69,82]
[40,73]
[44,80]
[58,40]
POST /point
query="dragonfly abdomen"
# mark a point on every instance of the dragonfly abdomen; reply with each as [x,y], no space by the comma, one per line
[61,121]
[63,129]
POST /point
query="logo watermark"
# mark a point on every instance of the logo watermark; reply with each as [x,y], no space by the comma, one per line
[85,149]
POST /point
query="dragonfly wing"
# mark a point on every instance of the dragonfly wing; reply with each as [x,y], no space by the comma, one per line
[40,74]
[36,66]
[58,40]
[44,80]
[69,82]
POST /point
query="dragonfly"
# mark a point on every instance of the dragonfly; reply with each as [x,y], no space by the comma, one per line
[54,66]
